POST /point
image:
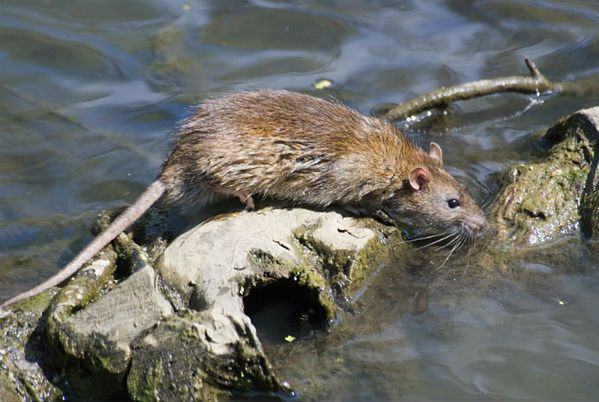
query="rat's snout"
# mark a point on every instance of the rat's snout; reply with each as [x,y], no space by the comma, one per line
[476,224]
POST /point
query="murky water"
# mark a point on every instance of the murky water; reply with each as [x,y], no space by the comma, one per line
[90,90]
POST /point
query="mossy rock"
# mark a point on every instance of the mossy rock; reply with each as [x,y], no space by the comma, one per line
[554,197]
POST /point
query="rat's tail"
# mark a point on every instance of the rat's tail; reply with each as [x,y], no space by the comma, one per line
[122,222]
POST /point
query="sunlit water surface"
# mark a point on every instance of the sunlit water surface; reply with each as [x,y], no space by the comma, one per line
[91,90]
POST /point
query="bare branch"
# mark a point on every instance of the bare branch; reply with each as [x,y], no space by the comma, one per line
[532,67]
[536,84]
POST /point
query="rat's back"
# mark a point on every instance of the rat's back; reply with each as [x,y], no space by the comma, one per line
[283,145]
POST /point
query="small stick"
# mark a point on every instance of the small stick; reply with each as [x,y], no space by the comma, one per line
[439,98]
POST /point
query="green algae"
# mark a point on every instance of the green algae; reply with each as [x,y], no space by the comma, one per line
[540,201]
[28,366]
[156,374]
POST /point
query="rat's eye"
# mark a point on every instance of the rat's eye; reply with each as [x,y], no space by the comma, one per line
[453,203]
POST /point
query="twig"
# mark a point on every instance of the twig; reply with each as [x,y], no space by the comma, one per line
[535,84]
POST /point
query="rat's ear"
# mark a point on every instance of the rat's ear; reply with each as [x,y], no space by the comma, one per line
[436,152]
[419,177]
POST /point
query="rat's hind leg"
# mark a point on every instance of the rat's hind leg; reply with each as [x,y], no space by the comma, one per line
[245,198]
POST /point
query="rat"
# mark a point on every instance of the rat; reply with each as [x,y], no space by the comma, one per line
[301,149]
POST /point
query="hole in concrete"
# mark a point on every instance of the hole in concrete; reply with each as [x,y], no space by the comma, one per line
[284,309]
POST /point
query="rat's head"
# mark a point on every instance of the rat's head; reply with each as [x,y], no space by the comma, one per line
[432,202]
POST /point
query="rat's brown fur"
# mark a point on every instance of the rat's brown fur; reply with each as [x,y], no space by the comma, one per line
[294,147]
[290,146]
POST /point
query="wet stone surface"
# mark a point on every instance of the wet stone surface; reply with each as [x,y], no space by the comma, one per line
[140,331]
[551,198]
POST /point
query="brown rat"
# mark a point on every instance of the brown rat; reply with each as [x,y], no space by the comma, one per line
[298,148]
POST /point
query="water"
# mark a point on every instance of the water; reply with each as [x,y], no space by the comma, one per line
[89,92]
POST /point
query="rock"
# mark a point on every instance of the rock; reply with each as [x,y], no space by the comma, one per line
[225,251]
[587,122]
[200,356]
[185,335]
[101,333]
[28,365]
[557,196]
[213,266]
[218,261]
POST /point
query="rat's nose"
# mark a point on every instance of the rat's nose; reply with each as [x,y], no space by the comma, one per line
[477,224]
